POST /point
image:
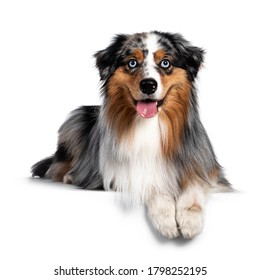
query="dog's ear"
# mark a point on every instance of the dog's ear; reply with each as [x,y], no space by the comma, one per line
[186,56]
[109,59]
[193,59]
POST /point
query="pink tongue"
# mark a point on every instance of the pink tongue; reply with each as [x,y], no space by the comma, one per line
[146,109]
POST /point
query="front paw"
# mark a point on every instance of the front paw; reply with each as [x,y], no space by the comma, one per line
[161,211]
[165,224]
[190,220]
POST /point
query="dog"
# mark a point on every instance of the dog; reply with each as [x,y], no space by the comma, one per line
[146,140]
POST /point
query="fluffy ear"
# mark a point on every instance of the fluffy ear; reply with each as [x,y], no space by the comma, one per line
[193,57]
[109,59]
[187,56]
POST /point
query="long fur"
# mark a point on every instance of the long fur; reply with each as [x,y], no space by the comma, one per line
[113,147]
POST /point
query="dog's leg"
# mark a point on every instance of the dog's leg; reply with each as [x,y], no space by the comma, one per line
[58,172]
[161,211]
[190,211]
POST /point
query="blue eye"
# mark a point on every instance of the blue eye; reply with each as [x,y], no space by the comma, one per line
[132,63]
[165,63]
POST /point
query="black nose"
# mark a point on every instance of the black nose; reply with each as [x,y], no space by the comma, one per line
[148,86]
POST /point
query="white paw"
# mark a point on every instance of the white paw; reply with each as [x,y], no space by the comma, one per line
[161,211]
[190,220]
[190,211]
[165,223]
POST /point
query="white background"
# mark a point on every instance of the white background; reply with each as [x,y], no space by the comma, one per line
[47,69]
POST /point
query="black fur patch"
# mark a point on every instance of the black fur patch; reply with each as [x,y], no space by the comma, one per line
[61,154]
[110,58]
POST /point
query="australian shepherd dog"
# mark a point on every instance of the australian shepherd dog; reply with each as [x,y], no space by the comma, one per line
[146,140]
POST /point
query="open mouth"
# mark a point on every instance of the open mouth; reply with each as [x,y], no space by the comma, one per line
[148,108]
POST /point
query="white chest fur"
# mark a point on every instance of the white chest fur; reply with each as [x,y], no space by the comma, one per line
[136,166]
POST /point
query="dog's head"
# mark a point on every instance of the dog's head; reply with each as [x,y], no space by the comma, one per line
[148,69]
[149,75]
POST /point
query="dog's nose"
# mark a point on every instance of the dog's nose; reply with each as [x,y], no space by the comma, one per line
[148,86]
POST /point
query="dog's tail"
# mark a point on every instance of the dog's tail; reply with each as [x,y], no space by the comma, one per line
[40,168]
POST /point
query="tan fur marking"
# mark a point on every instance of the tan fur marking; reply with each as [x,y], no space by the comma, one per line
[59,170]
[159,55]
[196,207]
[120,108]
[214,174]
[175,107]
[137,54]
